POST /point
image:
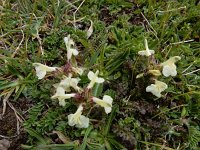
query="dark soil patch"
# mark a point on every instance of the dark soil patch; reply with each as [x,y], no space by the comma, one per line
[106,17]
[135,19]
[8,124]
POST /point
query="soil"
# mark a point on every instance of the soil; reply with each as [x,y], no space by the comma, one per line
[8,124]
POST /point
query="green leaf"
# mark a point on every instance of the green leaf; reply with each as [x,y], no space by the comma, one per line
[10,85]
[84,144]
[36,135]
[111,117]
[183,112]
[97,90]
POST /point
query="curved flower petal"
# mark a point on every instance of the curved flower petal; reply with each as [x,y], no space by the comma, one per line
[71,51]
[169,70]
[94,79]
[84,122]
[91,75]
[44,67]
[71,122]
[99,80]
[161,85]
[108,109]
[74,51]
[169,67]
[40,73]
[108,99]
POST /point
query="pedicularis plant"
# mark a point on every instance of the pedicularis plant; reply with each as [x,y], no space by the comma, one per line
[168,69]
[68,87]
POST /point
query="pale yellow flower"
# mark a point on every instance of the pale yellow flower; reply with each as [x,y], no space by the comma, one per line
[68,82]
[139,75]
[106,102]
[169,67]
[157,88]
[78,119]
[41,70]
[61,96]
[70,51]
[94,79]
[68,41]
[78,70]
[152,72]
[155,72]
[146,52]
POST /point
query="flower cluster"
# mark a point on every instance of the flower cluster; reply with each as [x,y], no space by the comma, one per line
[168,69]
[68,87]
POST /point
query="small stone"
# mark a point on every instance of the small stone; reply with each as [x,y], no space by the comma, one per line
[4,144]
